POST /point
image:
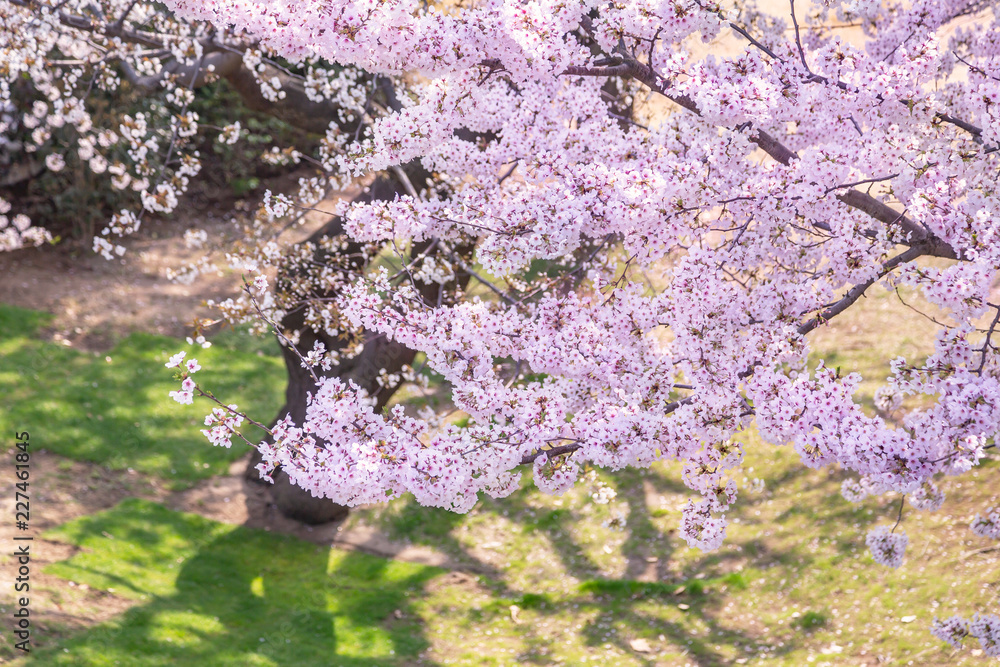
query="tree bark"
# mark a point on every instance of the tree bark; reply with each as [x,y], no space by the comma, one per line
[363,369]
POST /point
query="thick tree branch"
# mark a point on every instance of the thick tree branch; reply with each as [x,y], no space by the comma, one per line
[552,452]
[218,62]
[117,29]
[915,234]
[296,108]
[858,290]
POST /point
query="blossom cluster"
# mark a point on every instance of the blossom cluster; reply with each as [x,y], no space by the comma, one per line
[224,423]
[987,526]
[984,627]
[184,396]
[17,231]
[887,548]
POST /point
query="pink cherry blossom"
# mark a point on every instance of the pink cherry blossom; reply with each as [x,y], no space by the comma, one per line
[887,548]
[176,360]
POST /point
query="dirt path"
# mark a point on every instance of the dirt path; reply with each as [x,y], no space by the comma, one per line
[96,302]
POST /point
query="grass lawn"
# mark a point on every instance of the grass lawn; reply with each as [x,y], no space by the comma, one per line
[792,586]
[215,594]
[113,408]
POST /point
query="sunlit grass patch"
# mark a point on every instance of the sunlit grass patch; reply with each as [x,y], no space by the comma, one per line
[112,408]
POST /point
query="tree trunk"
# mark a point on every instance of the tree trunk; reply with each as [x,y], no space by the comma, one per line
[364,369]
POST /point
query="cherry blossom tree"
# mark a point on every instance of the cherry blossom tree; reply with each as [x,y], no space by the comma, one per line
[613,251]
[153,152]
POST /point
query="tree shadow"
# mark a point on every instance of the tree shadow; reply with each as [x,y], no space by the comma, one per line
[238,596]
[642,603]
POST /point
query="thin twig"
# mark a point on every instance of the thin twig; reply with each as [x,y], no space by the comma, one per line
[900,516]
[858,290]
[798,40]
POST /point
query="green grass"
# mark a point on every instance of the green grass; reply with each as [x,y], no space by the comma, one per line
[113,408]
[643,589]
[792,585]
[214,594]
[811,620]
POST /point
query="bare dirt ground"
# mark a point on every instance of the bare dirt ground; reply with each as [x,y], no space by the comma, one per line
[96,301]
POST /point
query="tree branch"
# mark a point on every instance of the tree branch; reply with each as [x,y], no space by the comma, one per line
[916,234]
[551,453]
[858,290]
[296,108]
[116,29]
[811,77]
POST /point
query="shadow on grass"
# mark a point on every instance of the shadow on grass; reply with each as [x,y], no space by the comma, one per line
[213,594]
[664,608]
